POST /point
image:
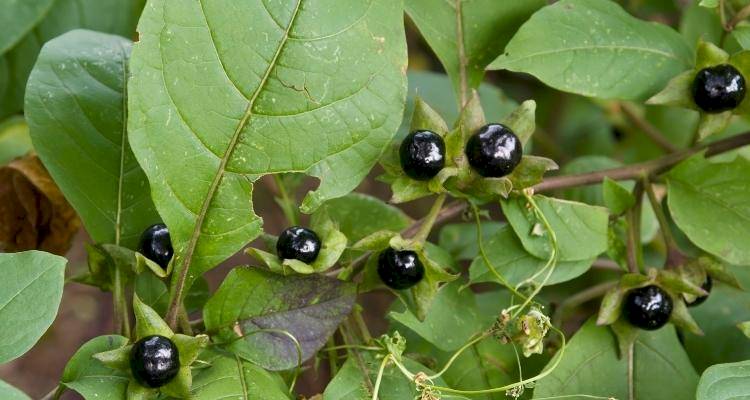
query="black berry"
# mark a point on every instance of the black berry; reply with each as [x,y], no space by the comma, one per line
[422,155]
[400,269]
[494,151]
[707,285]
[648,307]
[718,88]
[154,361]
[156,244]
[298,243]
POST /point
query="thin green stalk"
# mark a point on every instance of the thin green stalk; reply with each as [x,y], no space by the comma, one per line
[458,353]
[55,393]
[502,389]
[286,202]
[486,259]
[551,262]
[675,256]
[580,298]
[362,325]
[332,356]
[380,376]
[429,220]
[120,304]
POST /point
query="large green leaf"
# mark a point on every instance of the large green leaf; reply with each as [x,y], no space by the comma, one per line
[18,18]
[92,379]
[725,382]
[460,240]
[75,106]
[710,202]
[316,87]
[486,26]
[307,307]
[515,264]
[442,317]
[110,16]
[8,392]
[595,48]
[229,377]
[718,318]
[29,298]
[590,365]
[581,229]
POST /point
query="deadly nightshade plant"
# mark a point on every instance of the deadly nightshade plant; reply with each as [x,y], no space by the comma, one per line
[166,123]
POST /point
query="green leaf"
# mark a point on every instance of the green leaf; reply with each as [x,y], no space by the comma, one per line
[709,3]
[698,23]
[487,25]
[443,318]
[611,306]
[701,191]
[110,16]
[18,18]
[616,197]
[531,171]
[75,106]
[435,89]
[425,117]
[29,298]
[596,49]
[460,240]
[591,365]
[744,327]
[154,293]
[309,308]
[516,265]
[522,120]
[148,322]
[581,229]
[349,383]
[8,392]
[89,377]
[359,215]
[718,318]
[14,139]
[725,382]
[230,377]
[741,33]
[317,89]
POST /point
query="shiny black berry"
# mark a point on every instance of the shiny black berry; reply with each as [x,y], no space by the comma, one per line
[422,155]
[494,151]
[154,361]
[298,243]
[156,244]
[707,285]
[718,88]
[400,269]
[648,307]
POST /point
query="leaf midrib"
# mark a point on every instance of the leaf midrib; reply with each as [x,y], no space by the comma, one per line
[227,155]
[592,47]
[123,143]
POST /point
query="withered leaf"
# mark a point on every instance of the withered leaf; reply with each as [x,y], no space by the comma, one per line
[33,212]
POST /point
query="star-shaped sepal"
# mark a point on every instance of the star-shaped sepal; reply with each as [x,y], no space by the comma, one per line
[148,322]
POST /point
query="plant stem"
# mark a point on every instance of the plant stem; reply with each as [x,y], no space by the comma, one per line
[675,257]
[743,13]
[362,325]
[462,62]
[120,304]
[480,240]
[332,356]
[429,220]
[634,256]
[652,167]
[631,389]
[579,298]
[657,137]
[351,345]
[287,204]
[55,393]
[455,355]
